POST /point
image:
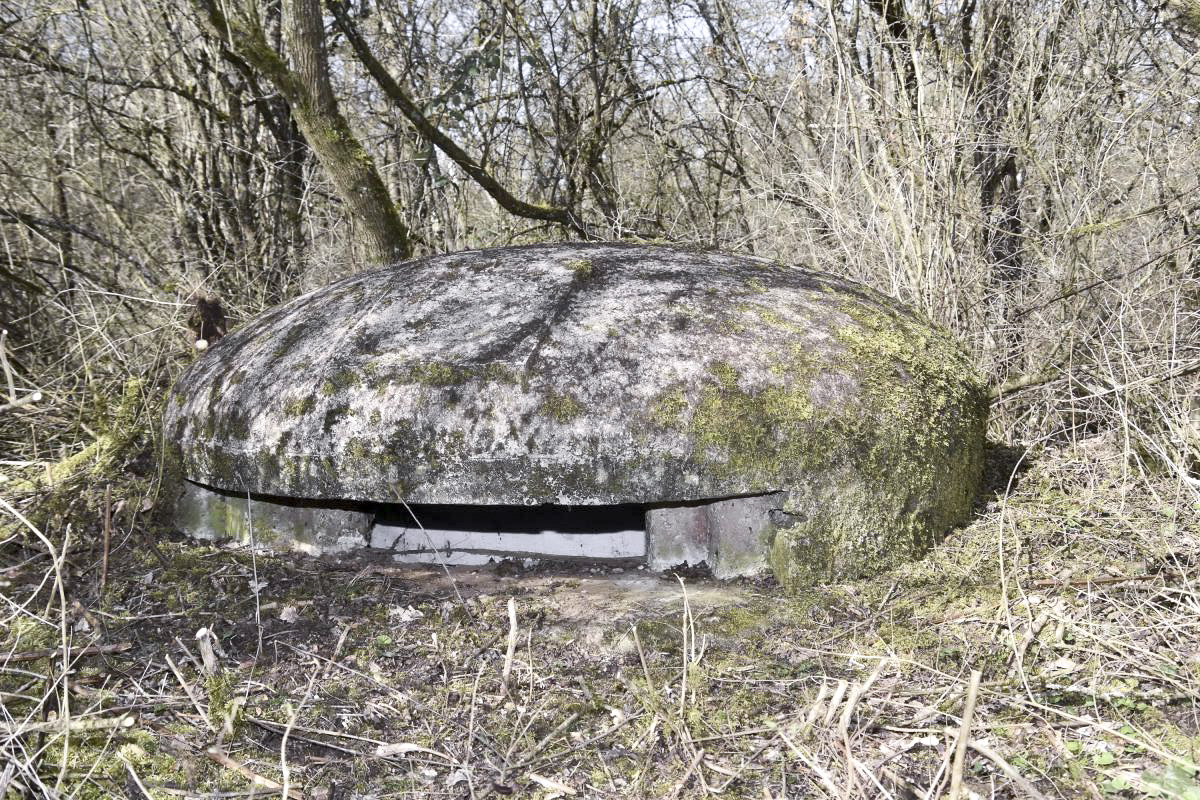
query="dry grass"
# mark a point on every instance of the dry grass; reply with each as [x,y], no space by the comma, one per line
[206,671]
[1072,595]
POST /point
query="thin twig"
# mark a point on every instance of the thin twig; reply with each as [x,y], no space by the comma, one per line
[136,780]
[8,376]
[21,402]
[55,652]
[1017,656]
[811,763]
[217,757]
[187,689]
[1027,788]
[835,701]
[679,784]
[287,731]
[964,735]
[551,784]
[534,751]
[74,725]
[107,537]
[1046,583]
[506,673]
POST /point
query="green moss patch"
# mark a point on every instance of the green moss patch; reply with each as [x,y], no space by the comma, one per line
[561,406]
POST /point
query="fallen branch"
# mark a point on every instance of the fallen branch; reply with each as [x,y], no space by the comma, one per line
[856,693]
[187,689]
[1027,788]
[810,762]
[72,725]
[964,735]
[56,652]
[551,784]
[404,748]
[136,780]
[506,673]
[107,537]
[1017,656]
[1020,383]
[98,451]
[217,757]
[21,402]
[536,750]
[102,452]
[682,782]
[1046,583]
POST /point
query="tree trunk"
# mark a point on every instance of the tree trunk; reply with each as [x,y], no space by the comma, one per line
[997,162]
[349,165]
[307,89]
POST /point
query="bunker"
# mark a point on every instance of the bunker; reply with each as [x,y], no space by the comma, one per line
[597,401]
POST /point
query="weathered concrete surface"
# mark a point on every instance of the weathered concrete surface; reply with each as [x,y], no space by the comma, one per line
[591,374]
[217,516]
[677,536]
[732,536]
[740,531]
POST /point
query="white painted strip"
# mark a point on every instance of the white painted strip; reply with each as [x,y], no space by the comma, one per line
[413,544]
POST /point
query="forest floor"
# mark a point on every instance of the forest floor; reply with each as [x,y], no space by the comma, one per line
[1051,648]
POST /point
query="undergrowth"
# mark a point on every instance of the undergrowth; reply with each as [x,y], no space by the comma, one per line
[193,669]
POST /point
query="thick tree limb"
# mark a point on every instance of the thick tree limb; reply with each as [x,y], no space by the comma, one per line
[432,133]
[309,93]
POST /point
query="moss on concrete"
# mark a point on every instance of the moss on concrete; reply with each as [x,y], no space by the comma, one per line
[499,373]
[221,516]
[299,405]
[668,408]
[757,435]
[437,374]
[561,406]
[872,482]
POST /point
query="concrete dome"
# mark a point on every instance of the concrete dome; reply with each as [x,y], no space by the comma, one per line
[579,374]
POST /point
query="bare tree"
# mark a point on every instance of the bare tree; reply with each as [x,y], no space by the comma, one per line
[1022,172]
[305,84]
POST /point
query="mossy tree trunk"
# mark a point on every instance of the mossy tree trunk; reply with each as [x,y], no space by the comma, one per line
[431,133]
[306,86]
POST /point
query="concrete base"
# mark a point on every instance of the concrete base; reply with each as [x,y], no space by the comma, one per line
[275,524]
[677,535]
[732,536]
[461,534]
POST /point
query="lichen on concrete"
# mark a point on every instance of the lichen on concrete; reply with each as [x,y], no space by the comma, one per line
[594,374]
[271,523]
